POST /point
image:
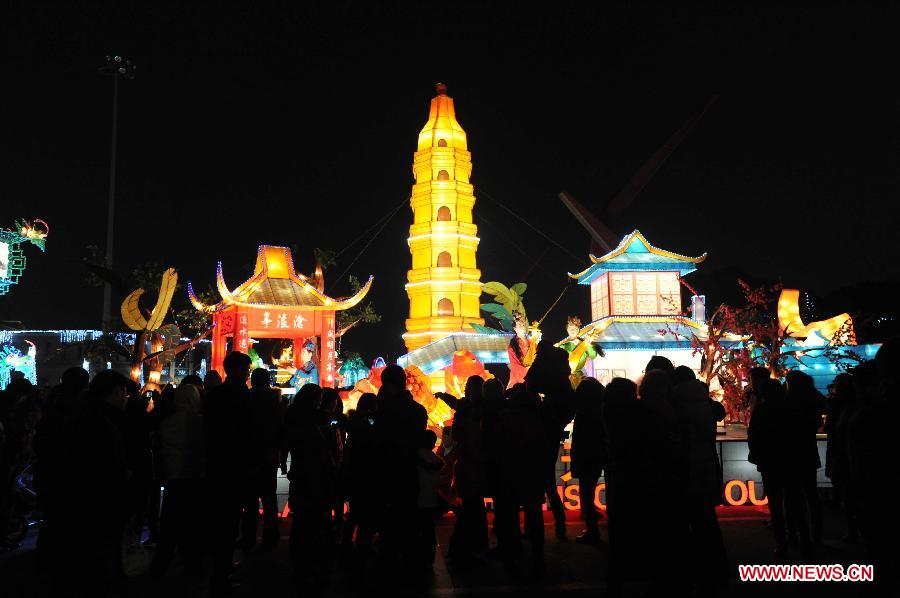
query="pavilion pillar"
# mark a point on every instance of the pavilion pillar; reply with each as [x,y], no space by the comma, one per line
[298,343]
[218,345]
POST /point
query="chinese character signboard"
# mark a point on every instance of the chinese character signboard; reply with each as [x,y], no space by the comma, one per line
[328,367]
[242,332]
[286,320]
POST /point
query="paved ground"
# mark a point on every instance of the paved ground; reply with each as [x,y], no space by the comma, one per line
[572,569]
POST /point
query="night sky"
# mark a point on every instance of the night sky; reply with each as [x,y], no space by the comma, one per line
[288,124]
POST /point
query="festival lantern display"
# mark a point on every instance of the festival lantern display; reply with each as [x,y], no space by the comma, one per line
[352,371]
[444,283]
[12,257]
[419,386]
[148,324]
[833,331]
[276,302]
[821,349]
[636,309]
[13,360]
[464,365]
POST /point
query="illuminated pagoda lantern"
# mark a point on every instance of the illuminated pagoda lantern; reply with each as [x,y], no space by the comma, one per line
[444,282]
[636,308]
[276,302]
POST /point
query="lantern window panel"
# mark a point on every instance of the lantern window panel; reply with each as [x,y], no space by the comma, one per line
[445,307]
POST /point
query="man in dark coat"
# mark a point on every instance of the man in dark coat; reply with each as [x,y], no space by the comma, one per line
[658,466]
[841,408]
[312,485]
[702,478]
[522,483]
[227,421]
[360,474]
[267,420]
[549,377]
[399,424]
[872,453]
[470,535]
[624,437]
[589,453]
[770,438]
[50,450]
[808,405]
[93,449]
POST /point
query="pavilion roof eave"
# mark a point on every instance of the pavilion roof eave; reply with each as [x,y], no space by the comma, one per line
[275,284]
[656,259]
[647,328]
[234,298]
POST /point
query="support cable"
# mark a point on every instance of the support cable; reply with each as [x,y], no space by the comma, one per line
[369,242]
[480,191]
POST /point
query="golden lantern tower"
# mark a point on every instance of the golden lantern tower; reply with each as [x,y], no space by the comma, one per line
[444,283]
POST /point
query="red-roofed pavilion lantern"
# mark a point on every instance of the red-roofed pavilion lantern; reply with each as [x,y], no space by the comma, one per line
[276,302]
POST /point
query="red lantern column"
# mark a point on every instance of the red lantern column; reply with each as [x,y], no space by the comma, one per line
[218,345]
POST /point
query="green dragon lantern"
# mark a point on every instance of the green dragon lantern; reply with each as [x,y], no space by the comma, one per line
[12,256]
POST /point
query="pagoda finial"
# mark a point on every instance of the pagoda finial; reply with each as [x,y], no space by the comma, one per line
[441,89]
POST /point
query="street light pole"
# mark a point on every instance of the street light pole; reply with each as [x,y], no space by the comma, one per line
[119,68]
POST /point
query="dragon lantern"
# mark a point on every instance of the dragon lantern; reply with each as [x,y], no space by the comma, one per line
[12,257]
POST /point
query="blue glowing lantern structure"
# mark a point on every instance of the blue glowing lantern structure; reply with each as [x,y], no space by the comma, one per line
[636,309]
[352,371]
[13,360]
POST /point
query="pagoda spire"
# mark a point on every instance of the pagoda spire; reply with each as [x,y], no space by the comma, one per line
[444,283]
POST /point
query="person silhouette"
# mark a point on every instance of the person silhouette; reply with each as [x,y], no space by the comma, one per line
[181,459]
[522,481]
[399,425]
[697,416]
[267,422]
[469,536]
[227,419]
[549,378]
[588,453]
[312,487]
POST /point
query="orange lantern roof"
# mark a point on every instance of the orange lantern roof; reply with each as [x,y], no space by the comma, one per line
[442,126]
[275,283]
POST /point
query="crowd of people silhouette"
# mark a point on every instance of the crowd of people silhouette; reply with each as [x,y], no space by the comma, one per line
[100,452]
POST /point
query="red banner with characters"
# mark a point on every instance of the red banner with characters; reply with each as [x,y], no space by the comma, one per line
[286,322]
[327,365]
[242,331]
